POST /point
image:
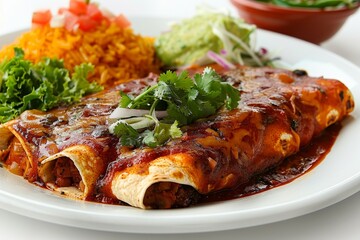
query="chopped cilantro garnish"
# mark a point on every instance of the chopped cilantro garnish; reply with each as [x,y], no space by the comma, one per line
[185,101]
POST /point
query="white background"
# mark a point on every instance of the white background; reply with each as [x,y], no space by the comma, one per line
[340,221]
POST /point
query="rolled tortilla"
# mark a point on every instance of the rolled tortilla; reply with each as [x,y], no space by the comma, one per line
[87,163]
[279,113]
[175,168]
[6,136]
[9,137]
[76,134]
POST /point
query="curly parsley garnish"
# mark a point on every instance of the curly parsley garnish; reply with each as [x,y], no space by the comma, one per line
[44,85]
[184,99]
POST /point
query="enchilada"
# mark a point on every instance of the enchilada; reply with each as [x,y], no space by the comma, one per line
[71,151]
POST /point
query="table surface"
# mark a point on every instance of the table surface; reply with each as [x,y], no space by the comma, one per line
[339,221]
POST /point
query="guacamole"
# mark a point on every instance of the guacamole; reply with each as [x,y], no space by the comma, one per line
[189,41]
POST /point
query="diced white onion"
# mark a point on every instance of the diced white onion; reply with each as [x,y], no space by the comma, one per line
[76,27]
[57,21]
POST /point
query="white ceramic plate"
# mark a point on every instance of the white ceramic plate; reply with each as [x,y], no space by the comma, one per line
[336,178]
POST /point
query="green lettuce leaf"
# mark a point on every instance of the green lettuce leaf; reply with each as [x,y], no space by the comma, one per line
[43,86]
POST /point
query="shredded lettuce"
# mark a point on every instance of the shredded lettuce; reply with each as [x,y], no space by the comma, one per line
[43,86]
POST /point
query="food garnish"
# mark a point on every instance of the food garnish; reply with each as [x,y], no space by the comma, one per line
[81,15]
[43,86]
[185,100]
[207,38]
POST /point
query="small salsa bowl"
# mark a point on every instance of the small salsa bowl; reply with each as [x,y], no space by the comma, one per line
[310,24]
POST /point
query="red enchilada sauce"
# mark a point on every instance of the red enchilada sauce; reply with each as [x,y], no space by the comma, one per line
[270,107]
[290,169]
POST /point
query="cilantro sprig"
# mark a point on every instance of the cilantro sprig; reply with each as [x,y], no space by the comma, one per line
[184,99]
